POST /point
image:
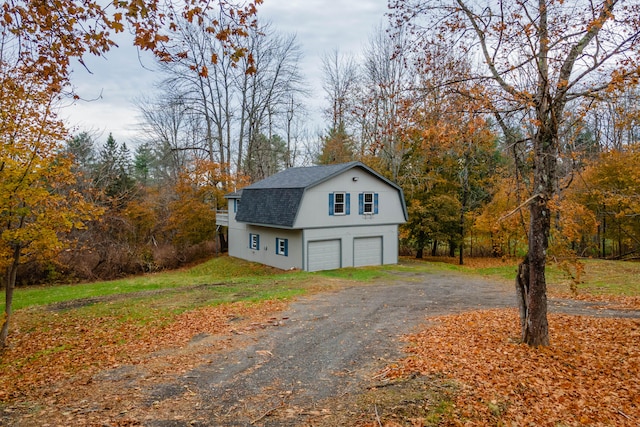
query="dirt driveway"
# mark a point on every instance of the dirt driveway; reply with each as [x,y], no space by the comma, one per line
[326,346]
[330,344]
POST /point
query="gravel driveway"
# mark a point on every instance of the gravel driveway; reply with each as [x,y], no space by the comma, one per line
[326,346]
[329,344]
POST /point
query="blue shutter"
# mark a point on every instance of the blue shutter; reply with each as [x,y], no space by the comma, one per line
[286,247]
[348,203]
[360,203]
[330,203]
[235,205]
[277,246]
[250,241]
[375,203]
[257,242]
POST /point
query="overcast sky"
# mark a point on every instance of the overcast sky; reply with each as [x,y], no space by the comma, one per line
[115,82]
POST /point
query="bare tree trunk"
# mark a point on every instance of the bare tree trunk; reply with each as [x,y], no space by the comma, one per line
[535,331]
[452,248]
[522,292]
[420,252]
[10,284]
[287,158]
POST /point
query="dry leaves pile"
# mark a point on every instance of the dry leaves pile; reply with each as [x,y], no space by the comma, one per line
[590,375]
[50,348]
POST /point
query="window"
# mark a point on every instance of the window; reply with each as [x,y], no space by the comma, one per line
[254,241]
[339,203]
[368,203]
[282,247]
[236,203]
[338,207]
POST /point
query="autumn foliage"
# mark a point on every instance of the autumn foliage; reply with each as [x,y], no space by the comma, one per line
[590,376]
[40,41]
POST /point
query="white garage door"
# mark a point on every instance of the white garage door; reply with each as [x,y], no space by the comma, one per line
[324,255]
[367,251]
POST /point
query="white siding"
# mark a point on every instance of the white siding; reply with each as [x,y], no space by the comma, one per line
[314,209]
[267,252]
[349,240]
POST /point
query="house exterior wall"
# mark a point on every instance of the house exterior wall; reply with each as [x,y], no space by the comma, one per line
[314,209]
[235,231]
[266,253]
[347,235]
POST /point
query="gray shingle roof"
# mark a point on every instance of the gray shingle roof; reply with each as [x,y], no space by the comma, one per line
[270,206]
[275,200]
[302,177]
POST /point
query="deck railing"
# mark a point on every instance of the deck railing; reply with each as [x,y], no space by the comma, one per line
[222,218]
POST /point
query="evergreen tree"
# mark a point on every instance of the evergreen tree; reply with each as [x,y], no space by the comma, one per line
[112,172]
[142,164]
[337,147]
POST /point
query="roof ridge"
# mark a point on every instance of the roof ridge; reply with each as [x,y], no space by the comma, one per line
[302,176]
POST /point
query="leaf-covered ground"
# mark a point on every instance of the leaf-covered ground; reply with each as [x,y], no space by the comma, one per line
[50,349]
[590,375]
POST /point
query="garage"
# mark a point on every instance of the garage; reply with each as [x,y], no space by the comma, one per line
[367,251]
[324,255]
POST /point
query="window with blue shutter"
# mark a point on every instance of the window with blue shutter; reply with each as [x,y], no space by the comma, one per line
[254,241]
[367,203]
[339,204]
[348,202]
[282,246]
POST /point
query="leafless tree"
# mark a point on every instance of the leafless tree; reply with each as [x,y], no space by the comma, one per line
[340,83]
[270,100]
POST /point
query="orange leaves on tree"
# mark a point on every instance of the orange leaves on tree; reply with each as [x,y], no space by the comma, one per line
[48,35]
[608,192]
[199,193]
[37,205]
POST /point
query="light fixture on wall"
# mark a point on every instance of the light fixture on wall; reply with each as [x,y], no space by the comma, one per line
[355,178]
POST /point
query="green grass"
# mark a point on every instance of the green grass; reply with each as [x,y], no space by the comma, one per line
[360,274]
[611,277]
[224,269]
[228,279]
[599,276]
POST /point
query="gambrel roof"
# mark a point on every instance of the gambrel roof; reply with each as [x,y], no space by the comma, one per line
[275,201]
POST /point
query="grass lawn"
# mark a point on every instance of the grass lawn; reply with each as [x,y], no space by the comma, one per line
[600,277]
[231,271]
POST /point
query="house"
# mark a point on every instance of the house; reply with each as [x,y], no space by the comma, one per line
[317,218]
